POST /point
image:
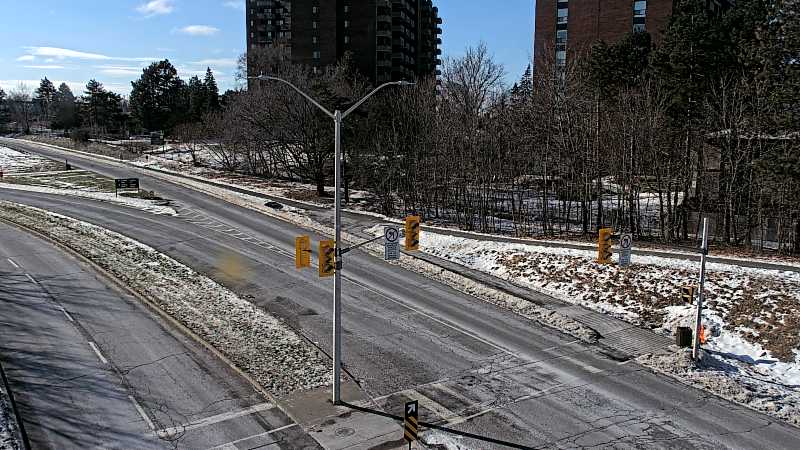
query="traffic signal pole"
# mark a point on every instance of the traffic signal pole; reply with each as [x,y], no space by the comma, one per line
[338,116]
[698,320]
[337,276]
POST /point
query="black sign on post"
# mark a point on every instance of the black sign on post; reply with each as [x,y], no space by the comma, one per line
[126,184]
[411,427]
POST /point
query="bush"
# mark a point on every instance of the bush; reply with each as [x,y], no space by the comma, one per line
[79,136]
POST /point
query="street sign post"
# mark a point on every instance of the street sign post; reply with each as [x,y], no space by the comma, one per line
[411,423]
[126,184]
[391,243]
[625,246]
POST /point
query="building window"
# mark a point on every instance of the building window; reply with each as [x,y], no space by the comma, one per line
[640,8]
[347,39]
[639,28]
[561,40]
[346,8]
[316,54]
[314,40]
[347,24]
[562,15]
[561,58]
[315,9]
[314,24]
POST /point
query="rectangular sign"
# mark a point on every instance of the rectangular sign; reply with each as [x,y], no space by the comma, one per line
[625,247]
[391,243]
[411,423]
[125,184]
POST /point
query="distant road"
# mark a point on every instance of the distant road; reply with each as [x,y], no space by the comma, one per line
[92,368]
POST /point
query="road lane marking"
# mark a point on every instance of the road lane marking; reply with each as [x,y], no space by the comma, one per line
[232,445]
[142,413]
[166,432]
[30,278]
[69,317]
[12,262]
[97,351]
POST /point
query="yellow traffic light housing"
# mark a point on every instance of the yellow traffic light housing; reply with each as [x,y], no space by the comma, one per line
[687,294]
[302,252]
[604,246]
[327,258]
[412,233]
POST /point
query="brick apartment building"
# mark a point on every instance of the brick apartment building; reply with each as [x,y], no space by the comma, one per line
[390,40]
[566,27]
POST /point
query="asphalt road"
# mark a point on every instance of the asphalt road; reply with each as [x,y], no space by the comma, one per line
[408,337]
[92,368]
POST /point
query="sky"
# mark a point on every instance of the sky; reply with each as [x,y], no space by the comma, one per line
[73,41]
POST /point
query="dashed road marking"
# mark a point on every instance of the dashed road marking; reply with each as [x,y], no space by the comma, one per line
[97,352]
[142,413]
[30,278]
[172,431]
[12,262]
[69,317]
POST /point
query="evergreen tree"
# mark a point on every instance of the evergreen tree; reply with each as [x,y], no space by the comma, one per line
[212,91]
[101,110]
[198,99]
[45,97]
[65,114]
[159,99]
[4,117]
[622,64]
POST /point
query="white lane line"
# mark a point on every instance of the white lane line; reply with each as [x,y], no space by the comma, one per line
[69,317]
[12,262]
[232,445]
[215,419]
[30,278]
[142,413]
[97,351]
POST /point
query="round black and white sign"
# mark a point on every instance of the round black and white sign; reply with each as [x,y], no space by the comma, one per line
[391,234]
[625,241]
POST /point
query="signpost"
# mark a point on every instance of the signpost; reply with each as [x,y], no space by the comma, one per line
[391,243]
[625,244]
[698,320]
[126,184]
[411,423]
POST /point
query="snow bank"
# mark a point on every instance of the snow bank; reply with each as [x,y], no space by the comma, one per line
[258,343]
[151,206]
[13,161]
[8,440]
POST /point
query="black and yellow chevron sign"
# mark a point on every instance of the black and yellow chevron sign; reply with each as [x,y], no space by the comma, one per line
[687,294]
[412,233]
[411,424]
[327,258]
[604,246]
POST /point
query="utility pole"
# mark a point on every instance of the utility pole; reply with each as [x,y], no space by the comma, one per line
[338,117]
[698,320]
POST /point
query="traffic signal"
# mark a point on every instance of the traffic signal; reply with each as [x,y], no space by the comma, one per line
[687,294]
[327,258]
[604,246]
[412,233]
[302,252]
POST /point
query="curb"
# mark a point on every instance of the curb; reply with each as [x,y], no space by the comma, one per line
[161,313]
[22,436]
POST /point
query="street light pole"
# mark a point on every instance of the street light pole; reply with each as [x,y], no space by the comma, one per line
[338,117]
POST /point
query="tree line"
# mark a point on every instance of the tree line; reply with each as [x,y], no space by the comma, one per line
[159,101]
[644,137]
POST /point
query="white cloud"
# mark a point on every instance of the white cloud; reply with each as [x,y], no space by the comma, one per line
[156,8]
[53,53]
[46,67]
[234,4]
[199,30]
[26,58]
[120,71]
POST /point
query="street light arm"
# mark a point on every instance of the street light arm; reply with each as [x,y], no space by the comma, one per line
[307,97]
[375,91]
